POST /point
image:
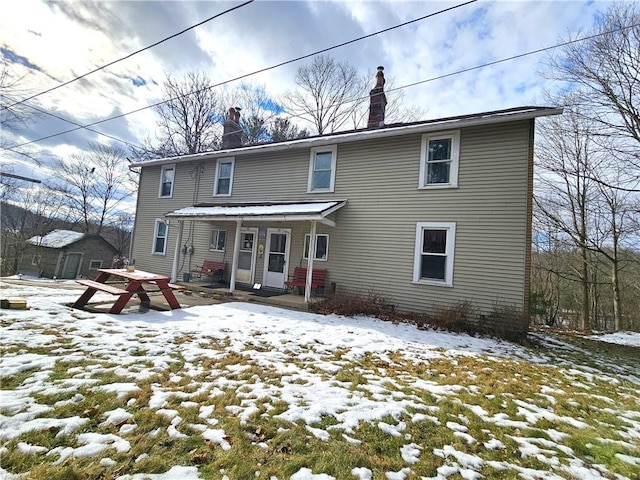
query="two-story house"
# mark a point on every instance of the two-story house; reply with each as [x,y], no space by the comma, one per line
[426,213]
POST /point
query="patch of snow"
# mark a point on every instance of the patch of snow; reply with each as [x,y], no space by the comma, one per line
[631,339]
[362,473]
[307,474]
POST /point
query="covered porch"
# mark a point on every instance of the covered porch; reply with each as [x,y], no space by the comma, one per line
[199,292]
[262,232]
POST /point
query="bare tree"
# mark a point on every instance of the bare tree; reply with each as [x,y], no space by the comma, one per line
[396,110]
[12,88]
[14,118]
[565,189]
[324,87]
[258,111]
[604,73]
[94,184]
[30,211]
[576,197]
[189,121]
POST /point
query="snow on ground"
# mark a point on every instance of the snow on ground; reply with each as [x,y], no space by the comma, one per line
[631,339]
[144,344]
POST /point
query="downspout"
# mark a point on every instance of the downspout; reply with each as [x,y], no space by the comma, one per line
[236,256]
[176,254]
[311,256]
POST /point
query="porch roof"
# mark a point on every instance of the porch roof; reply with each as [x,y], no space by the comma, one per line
[270,212]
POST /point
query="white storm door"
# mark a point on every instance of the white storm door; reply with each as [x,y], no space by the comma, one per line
[277,258]
[247,255]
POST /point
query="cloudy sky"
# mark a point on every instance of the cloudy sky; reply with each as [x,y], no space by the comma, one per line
[46,43]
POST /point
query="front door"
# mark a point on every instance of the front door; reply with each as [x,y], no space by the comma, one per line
[275,269]
[71,265]
[247,255]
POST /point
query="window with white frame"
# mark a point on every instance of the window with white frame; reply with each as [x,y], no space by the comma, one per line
[160,238]
[95,264]
[218,240]
[322,169]
[434,249]
[167,176]
[322,246]
[224,177]
[439,160]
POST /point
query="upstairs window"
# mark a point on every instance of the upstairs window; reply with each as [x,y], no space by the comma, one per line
[160,238]
[439,160]
[434,248]
[218,240]
[166,180]
[322,169]
[224,177]
[322,246]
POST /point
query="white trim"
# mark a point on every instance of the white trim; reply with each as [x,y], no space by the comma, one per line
[176,253]
[305,253]
[314,151]
[284,231]
[95,268]
[173,182]
[219,162]
[254,250]
[216,229]
[455,159]
[280,212]
[155,237]
[450,228]
[483,118]
[36,260]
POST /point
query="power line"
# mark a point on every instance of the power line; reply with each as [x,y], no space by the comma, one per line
[477,67]
[128,56]
[439,77]
[44,112]
[250,74]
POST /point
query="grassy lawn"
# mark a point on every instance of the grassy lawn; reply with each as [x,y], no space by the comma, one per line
[238,392]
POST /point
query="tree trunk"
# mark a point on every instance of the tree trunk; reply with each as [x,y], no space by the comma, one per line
[586,301]
[617,304]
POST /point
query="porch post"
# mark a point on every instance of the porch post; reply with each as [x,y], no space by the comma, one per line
[236,255]
[312,255]
[176,253]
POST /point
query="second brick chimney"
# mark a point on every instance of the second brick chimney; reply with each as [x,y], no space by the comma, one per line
[378,102]
[231,130]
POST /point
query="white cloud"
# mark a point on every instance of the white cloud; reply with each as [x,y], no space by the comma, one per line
[66,39]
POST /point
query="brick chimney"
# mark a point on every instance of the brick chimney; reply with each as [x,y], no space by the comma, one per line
[378,102]
[231,130]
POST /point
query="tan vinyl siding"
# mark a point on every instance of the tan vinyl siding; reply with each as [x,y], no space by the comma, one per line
[372,246]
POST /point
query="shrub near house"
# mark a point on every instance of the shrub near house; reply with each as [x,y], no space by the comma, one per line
[430,214]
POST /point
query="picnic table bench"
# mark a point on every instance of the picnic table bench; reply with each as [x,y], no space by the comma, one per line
[299,279]
[210,268]
[102,287]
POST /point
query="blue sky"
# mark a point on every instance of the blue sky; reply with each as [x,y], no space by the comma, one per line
[47,43]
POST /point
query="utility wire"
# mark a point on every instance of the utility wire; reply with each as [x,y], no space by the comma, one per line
[44,112]
[128,56]
[477,67]
[250,74]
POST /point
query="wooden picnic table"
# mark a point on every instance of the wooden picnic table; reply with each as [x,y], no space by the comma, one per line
[135,281]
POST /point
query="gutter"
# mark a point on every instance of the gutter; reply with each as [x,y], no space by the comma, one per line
[362,135]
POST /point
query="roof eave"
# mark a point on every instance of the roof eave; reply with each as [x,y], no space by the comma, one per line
[445,124]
